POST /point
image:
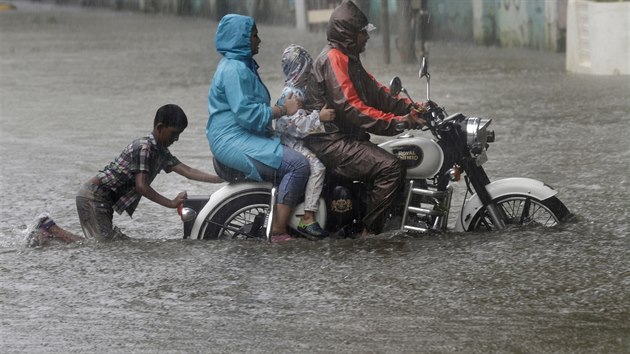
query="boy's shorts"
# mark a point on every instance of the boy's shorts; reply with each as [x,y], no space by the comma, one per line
[95,208]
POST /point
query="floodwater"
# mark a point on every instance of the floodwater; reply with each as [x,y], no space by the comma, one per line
[78,84]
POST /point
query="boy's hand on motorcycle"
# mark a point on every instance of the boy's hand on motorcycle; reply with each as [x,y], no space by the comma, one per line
[292,104]
[326,114]
[181,197]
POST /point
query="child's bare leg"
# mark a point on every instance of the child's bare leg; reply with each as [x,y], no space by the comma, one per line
[308,217]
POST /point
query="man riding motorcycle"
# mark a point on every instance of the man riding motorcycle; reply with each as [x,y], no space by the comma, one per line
[362,106]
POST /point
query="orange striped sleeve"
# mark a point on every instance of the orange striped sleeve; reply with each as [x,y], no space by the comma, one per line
[339,64]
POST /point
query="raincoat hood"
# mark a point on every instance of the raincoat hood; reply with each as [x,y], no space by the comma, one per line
[296,66]
[345,23]
[234,38]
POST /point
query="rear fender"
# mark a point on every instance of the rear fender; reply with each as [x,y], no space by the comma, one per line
[224,196]
[507,186]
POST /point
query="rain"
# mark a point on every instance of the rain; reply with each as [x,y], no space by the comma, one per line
[78,83]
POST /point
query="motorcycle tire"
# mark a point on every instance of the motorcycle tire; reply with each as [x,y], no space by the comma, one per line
[524,211]
[237,214]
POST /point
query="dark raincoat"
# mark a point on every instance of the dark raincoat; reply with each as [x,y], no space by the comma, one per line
[362,105]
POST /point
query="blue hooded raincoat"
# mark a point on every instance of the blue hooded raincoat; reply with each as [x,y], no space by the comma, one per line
[239,103]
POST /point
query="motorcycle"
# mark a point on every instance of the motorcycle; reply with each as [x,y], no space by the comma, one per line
[244,209]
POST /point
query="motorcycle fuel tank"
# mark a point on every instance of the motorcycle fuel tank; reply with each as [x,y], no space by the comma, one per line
[421,157]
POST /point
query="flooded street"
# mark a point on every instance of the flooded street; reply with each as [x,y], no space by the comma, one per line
[77,85]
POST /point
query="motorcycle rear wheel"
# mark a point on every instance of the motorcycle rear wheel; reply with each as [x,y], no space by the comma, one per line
[523,211]
[237,214]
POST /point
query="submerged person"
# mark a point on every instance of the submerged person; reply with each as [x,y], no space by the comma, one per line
[363,106]
[121,184]
[296,65]
[240,117]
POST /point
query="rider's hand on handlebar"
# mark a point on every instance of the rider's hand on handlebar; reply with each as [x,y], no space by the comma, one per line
[426,106]
[429,105]
[415,119]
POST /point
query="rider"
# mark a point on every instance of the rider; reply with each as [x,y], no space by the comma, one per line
[362,105]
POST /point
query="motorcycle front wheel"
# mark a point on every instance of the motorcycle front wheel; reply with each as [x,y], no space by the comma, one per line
[239,218]
[523,211]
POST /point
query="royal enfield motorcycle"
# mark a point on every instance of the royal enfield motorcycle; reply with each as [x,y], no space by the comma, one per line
[458,150]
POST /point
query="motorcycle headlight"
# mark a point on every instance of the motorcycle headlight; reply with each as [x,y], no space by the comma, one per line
[477,134]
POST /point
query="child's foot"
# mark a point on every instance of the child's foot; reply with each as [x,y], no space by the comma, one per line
[39,231]
[312,230]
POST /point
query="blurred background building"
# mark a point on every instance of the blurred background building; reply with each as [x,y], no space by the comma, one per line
[593,33]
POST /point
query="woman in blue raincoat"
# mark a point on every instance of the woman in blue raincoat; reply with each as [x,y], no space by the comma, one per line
[238,128]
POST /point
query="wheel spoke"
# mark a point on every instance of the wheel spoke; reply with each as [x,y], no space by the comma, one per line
[241,220]
[543,217]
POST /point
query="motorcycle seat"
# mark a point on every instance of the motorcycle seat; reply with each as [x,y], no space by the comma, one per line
[229,174]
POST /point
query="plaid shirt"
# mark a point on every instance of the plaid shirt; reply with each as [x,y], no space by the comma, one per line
[119,177]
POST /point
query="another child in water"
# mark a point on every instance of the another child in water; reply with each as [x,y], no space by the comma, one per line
[297,65]
[121,184]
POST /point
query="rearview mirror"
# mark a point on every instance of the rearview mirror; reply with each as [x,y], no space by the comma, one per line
[424,68]
[395,86]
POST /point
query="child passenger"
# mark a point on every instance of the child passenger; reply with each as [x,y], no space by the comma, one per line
[296,65]
[120,185]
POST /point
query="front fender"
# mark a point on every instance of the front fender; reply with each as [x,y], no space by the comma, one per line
[223,196]
[507,186]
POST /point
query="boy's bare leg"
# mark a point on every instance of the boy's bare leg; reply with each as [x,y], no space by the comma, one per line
[58,233]
[44,229]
